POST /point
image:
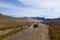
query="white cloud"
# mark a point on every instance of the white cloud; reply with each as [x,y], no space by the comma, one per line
[46,8]
[43,3]
[51,8]
[20,11]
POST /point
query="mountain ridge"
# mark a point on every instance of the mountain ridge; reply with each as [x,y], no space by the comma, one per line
[35,18]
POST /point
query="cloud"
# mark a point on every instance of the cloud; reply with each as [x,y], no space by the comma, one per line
[19,11]
[50,8]
[43,3]
[41,8]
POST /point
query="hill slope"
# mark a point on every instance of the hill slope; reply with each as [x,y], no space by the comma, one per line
[10,25]
[54,29]
[7,22]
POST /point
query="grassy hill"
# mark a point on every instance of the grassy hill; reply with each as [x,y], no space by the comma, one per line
[54,29]
[10,25]
[10,22]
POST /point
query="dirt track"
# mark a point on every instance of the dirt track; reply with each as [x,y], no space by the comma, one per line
[39,33]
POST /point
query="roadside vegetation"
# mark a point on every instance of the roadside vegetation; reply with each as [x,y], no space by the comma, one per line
[54,29]
[10,26]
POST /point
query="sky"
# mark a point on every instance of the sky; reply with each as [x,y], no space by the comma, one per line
[30,8]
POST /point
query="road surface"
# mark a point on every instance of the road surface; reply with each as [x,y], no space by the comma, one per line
[39,33]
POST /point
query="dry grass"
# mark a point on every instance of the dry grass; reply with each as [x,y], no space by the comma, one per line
[54,29]
[7,22]
[15,27]
[10,26]
[14,24]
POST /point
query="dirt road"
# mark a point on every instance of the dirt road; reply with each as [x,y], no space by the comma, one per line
[39,33]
